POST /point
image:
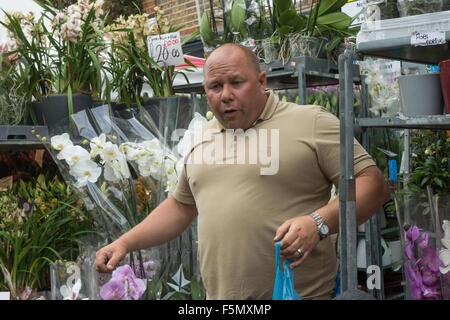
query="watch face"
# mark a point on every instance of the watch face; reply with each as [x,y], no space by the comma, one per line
[324,229]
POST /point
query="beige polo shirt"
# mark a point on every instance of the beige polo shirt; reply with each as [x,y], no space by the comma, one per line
[242,203]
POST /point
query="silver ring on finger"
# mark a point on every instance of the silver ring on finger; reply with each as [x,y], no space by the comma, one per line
[300,252]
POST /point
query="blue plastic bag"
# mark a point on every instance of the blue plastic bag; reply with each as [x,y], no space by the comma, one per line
[284,280]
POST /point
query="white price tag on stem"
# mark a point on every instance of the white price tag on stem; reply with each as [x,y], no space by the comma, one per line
[166,49]
[433,38]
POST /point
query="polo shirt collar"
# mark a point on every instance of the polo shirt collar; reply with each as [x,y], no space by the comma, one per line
[269,108]
[266,114]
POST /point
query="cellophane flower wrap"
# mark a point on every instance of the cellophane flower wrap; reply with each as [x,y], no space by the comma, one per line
[123,168]
[156,154]
[424,216]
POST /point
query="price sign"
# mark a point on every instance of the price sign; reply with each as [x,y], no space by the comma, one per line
[352,9]
[166,49]
[432,38]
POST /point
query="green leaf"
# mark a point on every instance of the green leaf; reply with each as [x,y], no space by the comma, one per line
[197,289]
[336,20]
[282,5]
[328,6]
[424,181]
[439,182]
[208,36]
[284,30]
[238,15]
[292,19]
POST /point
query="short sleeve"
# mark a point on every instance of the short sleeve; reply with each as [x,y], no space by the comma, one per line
[327,140]
[183,192]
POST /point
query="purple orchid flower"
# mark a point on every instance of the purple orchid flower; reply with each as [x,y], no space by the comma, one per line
[413,233]
[113,290]
[123,285]
[423,273]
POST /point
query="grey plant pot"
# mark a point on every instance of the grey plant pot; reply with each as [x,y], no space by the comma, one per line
[53,110]
[421,94]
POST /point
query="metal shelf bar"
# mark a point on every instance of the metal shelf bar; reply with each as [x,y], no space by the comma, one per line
[438,122]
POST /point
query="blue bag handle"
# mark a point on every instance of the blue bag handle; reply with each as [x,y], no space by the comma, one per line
[284,280]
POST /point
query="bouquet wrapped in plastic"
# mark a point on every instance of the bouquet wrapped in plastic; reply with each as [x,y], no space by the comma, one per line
[123,168]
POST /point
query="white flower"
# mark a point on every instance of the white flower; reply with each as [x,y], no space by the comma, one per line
[117,169]
[73,154]
[444,254]
[171,176]
[110,152]
[85,171]
[59,142]
[97,144]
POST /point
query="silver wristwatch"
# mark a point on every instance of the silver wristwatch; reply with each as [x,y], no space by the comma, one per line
[322,227]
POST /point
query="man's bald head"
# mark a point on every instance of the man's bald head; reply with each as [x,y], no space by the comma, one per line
[252,59]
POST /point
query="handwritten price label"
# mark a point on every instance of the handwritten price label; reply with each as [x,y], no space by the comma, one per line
[427,38]
[166,49]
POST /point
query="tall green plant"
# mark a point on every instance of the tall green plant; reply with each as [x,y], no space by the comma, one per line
[130,57]
[430,161]
[238,23]
[40,222]
[61,48]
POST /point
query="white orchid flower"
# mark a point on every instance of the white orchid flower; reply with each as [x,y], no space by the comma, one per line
[444,254]
[116,169]
[73,154]
[171,176]
[151,145]
[110,152]
[59,142]
[97,144]
[85,171]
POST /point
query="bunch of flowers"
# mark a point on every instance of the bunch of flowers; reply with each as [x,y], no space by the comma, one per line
[383,88]
[112,163]
[152,161]
[130,63]
[61,49]
[124,285]
[422,266]
[444,256]
[67,23]
[40,221]
[31,29]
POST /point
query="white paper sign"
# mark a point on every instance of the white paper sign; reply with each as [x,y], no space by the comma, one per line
[352,9]
[5,295]
[427,38]
[166,49]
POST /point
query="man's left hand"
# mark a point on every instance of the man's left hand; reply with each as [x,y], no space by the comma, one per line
[297,233]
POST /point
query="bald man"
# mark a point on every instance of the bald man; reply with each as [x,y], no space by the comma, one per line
[261,173]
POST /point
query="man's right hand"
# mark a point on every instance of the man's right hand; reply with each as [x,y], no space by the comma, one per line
[107,257]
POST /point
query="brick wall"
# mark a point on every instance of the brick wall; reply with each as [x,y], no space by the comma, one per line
[184,12]
[179,12]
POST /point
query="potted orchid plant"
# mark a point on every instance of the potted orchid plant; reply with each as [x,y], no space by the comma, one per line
[130,59]
[61,49]
[423,210]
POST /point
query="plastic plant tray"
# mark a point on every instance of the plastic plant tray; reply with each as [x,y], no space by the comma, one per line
[392,38]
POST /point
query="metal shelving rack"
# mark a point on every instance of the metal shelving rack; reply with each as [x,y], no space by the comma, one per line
[395,49]
[18,138]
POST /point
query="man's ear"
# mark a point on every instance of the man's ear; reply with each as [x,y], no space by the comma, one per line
[262,79]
